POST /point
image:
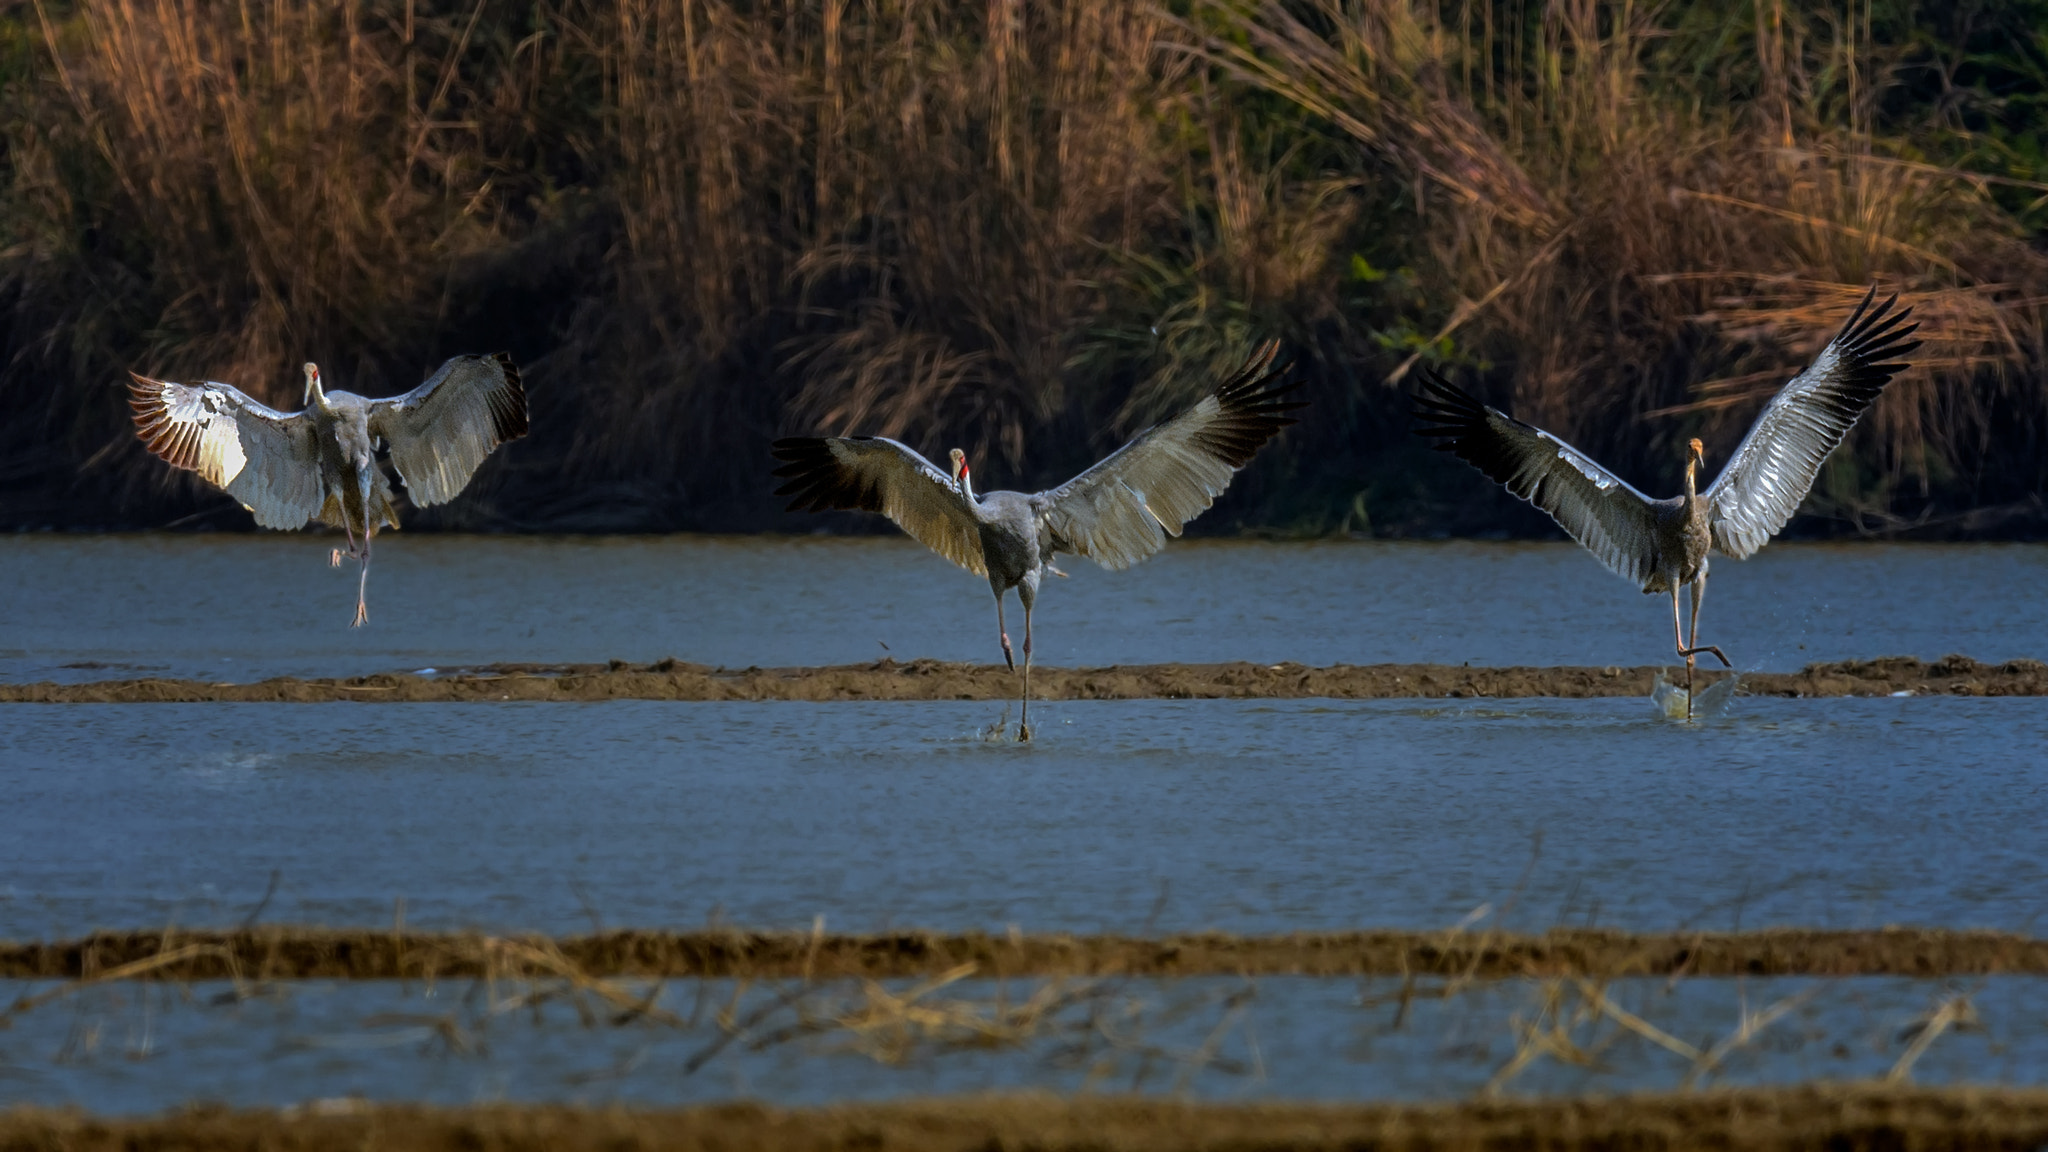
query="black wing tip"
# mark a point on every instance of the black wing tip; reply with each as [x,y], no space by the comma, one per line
[1445,413]
[510,421]
[815,481]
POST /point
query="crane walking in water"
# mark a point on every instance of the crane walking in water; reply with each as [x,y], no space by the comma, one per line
[1116,513]
[1662,545]
[320,462]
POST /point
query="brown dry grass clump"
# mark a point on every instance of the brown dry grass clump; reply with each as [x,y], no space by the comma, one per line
[1653,258]
[1834,1117]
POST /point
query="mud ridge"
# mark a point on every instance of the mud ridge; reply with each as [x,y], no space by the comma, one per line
[1825,1116]
[285,952]
[936,680]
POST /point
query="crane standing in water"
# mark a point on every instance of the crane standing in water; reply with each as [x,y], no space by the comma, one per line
[1116,513]
[1662,545]
[320,462]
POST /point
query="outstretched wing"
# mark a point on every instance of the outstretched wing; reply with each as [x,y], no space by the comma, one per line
[1615,522]
[876,474]
[1122,509]
[441,431]
[1777,462]
[262,457]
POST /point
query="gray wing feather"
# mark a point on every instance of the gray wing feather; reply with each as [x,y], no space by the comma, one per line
[1775,467]
[877,474]
[1121,510]
[441,432]
[264,458]
[1616,523]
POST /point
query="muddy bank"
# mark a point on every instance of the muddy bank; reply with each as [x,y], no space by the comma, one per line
[284,952]
[934,680]
[1845,1116]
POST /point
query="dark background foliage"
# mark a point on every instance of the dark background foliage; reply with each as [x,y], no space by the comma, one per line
[1027,229]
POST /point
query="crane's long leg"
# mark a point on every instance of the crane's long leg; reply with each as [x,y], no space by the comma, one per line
[1678,639]
[363,585]
[1024,722]
[1005,631]
[334,555]
[1692,648]
[1699,593]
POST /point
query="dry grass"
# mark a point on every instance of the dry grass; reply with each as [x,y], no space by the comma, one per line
[1836,1117]
[1022,228]
[1430,964]
[1629,244]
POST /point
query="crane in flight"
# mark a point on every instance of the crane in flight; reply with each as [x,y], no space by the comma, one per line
[1662,545]
[1116,513]
[319,463]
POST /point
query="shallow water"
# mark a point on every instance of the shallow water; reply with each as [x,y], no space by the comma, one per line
[140,1048]
[246,607]
[1123,816]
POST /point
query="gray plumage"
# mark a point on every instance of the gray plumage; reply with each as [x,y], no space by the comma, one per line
[1663,545]
[291,468]
[1116,513]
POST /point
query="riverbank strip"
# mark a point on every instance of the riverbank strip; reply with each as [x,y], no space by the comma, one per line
[1831,1116]
[937,680]
[287,952]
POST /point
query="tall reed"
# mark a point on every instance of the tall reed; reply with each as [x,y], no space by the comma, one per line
[1023,228]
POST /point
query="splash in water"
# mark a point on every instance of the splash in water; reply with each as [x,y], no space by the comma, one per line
[1712,701]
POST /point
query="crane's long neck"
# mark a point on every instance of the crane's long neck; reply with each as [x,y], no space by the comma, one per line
[967,490]
[1692,492]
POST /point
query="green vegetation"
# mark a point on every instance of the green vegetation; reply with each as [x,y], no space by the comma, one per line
[699,224]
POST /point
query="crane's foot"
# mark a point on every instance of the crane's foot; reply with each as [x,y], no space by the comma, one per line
[1055,571]
[1023,733]
[1008,660]
[362,614]
[334,558]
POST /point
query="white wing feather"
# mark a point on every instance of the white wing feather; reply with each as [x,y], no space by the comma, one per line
[877,474]
[1121,510]
[441,432]
[264,458]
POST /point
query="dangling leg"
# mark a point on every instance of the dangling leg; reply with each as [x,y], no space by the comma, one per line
[334,555]
[1008,660]
[363,586]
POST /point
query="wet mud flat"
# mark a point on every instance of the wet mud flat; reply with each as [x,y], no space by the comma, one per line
[937,680]
[285,952]
[1831,1116]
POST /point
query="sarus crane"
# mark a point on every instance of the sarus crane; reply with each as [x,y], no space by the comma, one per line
[1116,513]
[290,468]
[1662,545]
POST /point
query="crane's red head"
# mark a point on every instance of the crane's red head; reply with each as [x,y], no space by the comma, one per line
[959,459]
[312,382]
[1697,451]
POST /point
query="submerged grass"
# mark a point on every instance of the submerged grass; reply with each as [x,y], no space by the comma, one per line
[702,223]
